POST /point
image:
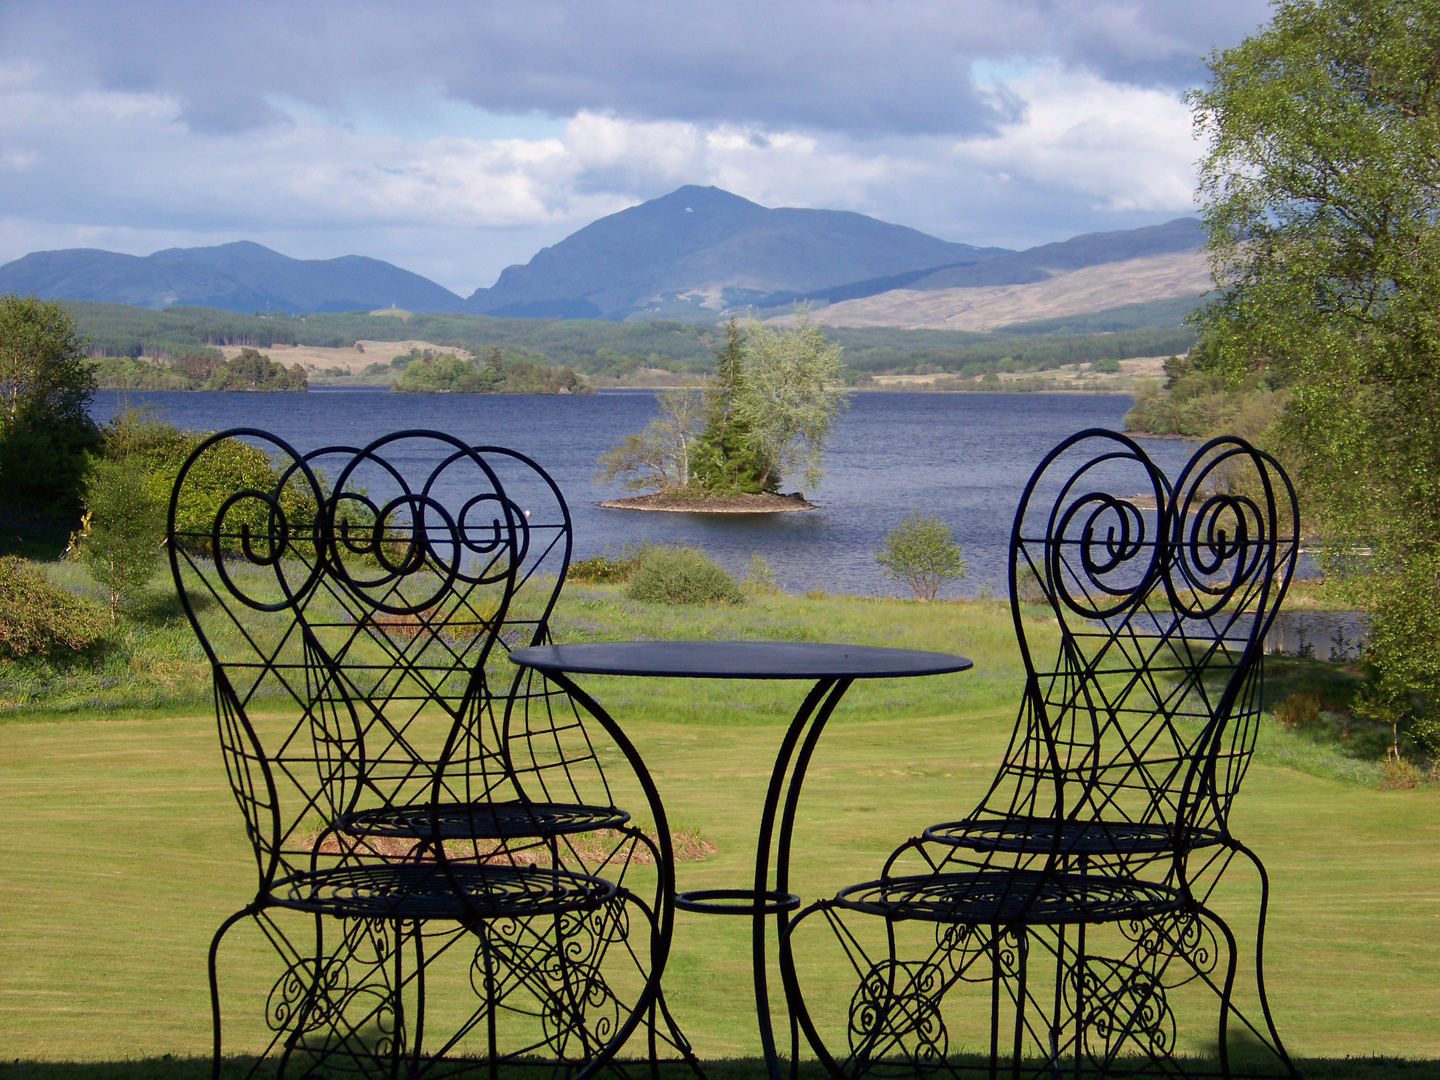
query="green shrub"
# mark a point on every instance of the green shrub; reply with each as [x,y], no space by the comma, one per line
[605,568]
[1400,775]
[1297,710]
[759,577]
[682,575]
[1028,587]
[37,616]
[1106,366]
[160,448]
[921,551]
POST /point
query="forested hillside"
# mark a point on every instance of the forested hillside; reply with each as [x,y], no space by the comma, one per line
[597,347]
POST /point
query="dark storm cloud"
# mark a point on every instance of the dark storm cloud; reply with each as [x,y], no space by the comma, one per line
[859,67]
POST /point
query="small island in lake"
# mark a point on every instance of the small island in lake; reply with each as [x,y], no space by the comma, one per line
[424,372]
[721,450]
[202,369]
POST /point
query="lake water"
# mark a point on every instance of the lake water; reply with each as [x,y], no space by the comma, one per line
[965,457]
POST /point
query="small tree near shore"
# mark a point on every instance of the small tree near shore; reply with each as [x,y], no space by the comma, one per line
[122,548]
[921,551]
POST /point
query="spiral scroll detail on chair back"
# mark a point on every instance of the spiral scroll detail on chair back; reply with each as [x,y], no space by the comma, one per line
[1141,718]
[336,591]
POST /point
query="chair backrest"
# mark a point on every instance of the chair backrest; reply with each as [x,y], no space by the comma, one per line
[1143,719]
[526,741]
[350,602]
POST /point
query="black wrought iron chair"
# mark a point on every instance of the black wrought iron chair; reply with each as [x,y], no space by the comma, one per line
[446,871]
[1078,904]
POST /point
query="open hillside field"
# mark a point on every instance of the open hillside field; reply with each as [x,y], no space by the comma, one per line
[1068,378]
[315,358]
[125,849]
[1080,292]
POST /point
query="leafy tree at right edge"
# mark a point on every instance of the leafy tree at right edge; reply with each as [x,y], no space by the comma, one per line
[1321,189]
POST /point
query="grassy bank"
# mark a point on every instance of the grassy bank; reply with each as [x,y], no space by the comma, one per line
[126,850]
[150,662]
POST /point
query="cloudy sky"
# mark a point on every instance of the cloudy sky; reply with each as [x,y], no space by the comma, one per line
[455,139]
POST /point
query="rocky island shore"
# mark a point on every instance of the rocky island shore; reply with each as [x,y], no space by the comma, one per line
[764,502]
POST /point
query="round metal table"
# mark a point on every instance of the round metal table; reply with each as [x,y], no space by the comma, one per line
[832,668]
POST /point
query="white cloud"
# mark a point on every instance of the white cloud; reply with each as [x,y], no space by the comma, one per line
[125,169]
[1127,147]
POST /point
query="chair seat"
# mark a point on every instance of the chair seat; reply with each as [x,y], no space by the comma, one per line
[481,821]
[430,890]
[1037,835]
[983,897]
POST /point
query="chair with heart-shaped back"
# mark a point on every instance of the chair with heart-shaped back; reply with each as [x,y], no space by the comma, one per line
[1078,906]
[446,872]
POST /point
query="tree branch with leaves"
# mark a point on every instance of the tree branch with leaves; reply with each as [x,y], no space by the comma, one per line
[658,458]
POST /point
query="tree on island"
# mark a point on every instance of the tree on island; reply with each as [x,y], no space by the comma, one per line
[659,457]
[767,413]
[722,460]
[793,391]
[1321,190]
[254,370]
[527,373]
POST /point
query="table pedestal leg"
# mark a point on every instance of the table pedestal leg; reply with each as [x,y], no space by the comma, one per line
[662,919]
[790,780]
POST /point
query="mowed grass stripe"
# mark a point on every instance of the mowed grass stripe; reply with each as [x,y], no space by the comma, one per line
[126,851]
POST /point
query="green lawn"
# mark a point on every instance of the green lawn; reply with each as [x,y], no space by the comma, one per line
[125,850]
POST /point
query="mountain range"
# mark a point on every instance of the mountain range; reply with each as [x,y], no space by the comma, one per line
[242,276]
[691,254]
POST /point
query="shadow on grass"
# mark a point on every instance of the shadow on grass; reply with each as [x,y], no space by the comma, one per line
[40,541]
[173,1068]
[162,607]
[1334,682]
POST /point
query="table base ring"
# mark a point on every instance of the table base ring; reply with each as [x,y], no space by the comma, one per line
[736,901]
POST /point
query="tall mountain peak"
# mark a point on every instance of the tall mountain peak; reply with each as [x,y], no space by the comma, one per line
[699,250]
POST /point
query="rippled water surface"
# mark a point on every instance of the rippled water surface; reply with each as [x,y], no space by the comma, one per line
[965,457]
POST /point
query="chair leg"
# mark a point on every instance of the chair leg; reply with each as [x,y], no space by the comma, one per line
[994,1003]
[350,1004]
[1223,1031]
[215,985]
[417,929]
[678,1039]
[1276,1044]
[1022,964]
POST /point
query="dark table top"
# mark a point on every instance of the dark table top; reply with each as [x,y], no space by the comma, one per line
[737,660]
